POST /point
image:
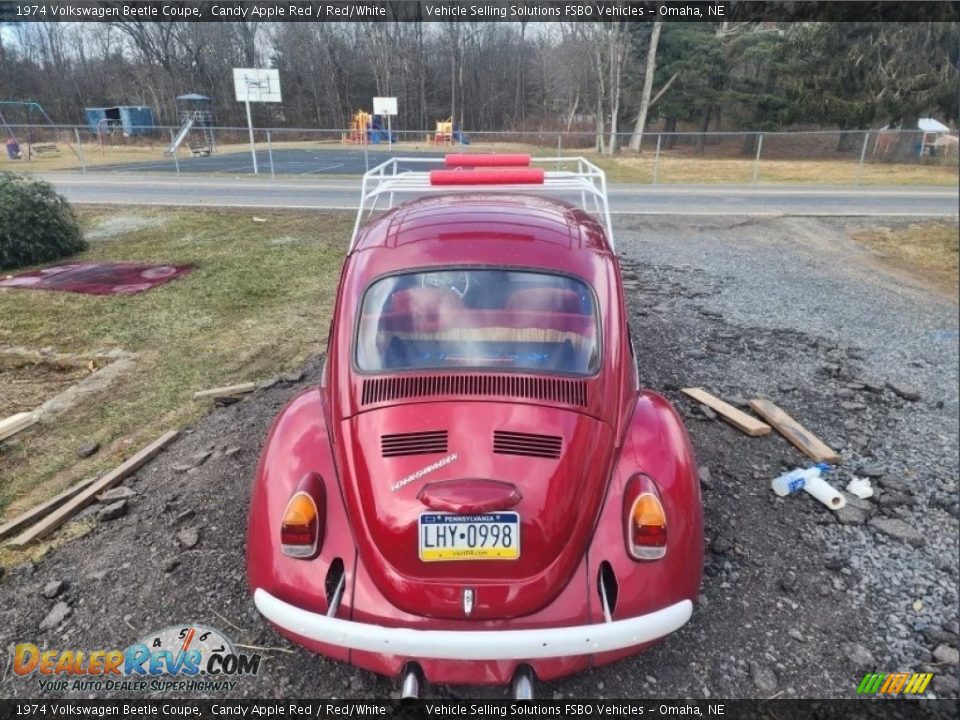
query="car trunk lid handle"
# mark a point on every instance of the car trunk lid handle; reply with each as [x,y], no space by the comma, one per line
[469,496]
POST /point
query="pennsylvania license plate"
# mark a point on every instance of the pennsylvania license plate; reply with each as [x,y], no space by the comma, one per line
[490,536]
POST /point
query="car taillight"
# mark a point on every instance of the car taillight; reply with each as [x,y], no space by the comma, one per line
[302,527]
[645,521]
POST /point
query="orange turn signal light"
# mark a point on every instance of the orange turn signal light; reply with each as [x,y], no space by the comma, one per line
[646,522]
[300,529]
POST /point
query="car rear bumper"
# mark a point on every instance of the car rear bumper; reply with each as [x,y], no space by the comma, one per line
[474,644]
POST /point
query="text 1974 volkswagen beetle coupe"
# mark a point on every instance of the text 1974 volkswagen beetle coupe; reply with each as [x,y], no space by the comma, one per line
[478,491]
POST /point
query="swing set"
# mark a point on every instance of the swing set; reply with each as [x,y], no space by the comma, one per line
[34,110]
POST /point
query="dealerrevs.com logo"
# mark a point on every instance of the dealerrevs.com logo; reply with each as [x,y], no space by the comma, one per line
[184,658]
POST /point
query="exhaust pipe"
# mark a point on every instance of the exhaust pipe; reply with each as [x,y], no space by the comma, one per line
[410,690]
[523,684]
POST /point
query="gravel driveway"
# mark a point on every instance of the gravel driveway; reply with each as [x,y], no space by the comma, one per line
[797,601]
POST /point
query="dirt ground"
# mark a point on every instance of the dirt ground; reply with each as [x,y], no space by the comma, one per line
[796,601]
[27,385]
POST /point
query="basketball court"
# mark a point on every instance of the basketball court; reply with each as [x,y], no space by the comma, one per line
[286,161]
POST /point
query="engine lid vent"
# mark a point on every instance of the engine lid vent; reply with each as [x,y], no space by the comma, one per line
[559,390]
[518,443]
[416,443]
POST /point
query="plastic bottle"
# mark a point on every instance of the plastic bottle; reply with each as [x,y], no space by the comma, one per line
[788,483]
[793,481]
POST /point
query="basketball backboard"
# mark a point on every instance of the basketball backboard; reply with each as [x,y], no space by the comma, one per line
[384,106]
[256,84]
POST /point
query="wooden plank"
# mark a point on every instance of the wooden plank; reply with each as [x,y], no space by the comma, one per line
[42,510]
[805,441]
[10,426]
[739,419]
[87,496]
[228,390]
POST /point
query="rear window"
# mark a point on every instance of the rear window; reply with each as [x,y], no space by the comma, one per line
[478,319]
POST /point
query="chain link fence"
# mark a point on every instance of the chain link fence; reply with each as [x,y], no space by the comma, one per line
[890,157]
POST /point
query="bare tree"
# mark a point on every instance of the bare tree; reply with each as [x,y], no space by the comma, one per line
[641,122]
[510,75]
[247,34]
[589,38]
[520,97]
[454,34]
[619,47]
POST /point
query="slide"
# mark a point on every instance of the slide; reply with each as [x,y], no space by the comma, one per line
[377,133]
[460,138]
[181,136]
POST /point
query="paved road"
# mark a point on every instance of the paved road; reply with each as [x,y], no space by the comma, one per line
[714,200]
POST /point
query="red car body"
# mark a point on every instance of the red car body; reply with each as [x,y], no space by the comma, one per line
[337,443]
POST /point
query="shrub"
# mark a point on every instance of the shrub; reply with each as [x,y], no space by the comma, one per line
[36,224]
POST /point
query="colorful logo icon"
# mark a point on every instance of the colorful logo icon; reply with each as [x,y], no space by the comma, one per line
[903,683]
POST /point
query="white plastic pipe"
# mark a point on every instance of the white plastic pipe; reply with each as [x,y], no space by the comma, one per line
[824,492]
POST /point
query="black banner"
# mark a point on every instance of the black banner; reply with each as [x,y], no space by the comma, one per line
[865,709]
[476,11]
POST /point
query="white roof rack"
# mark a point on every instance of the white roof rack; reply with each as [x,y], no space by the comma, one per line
[574,177]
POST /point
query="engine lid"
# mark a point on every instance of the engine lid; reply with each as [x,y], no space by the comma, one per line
[410,466]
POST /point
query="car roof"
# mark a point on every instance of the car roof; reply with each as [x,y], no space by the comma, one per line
[485,227]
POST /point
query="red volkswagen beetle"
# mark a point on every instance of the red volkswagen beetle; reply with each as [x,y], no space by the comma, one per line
[479,491]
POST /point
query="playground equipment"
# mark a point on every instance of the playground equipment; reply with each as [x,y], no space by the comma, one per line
[447,134]
[378,133]
[129,120]
[119,121]
[366,128]
[196,116]
[34,111]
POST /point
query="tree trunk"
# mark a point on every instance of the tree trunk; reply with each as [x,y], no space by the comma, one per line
[845,141]
[248,40]
[598,115]
[641,122]
[461,94]
[704,124]
[670,127]
[615,82]
[520,97]
[573,110]
[422,116]
[453,71]
[619,44]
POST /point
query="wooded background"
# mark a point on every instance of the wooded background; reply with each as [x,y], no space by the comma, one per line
[502,76]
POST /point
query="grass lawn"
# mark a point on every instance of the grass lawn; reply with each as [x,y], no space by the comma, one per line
[257,304]
[930,251]
[695,171]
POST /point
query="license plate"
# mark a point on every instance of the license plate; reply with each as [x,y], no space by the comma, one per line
[490,536]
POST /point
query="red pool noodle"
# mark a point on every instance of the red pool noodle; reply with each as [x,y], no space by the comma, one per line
[506,160]
[498,176]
